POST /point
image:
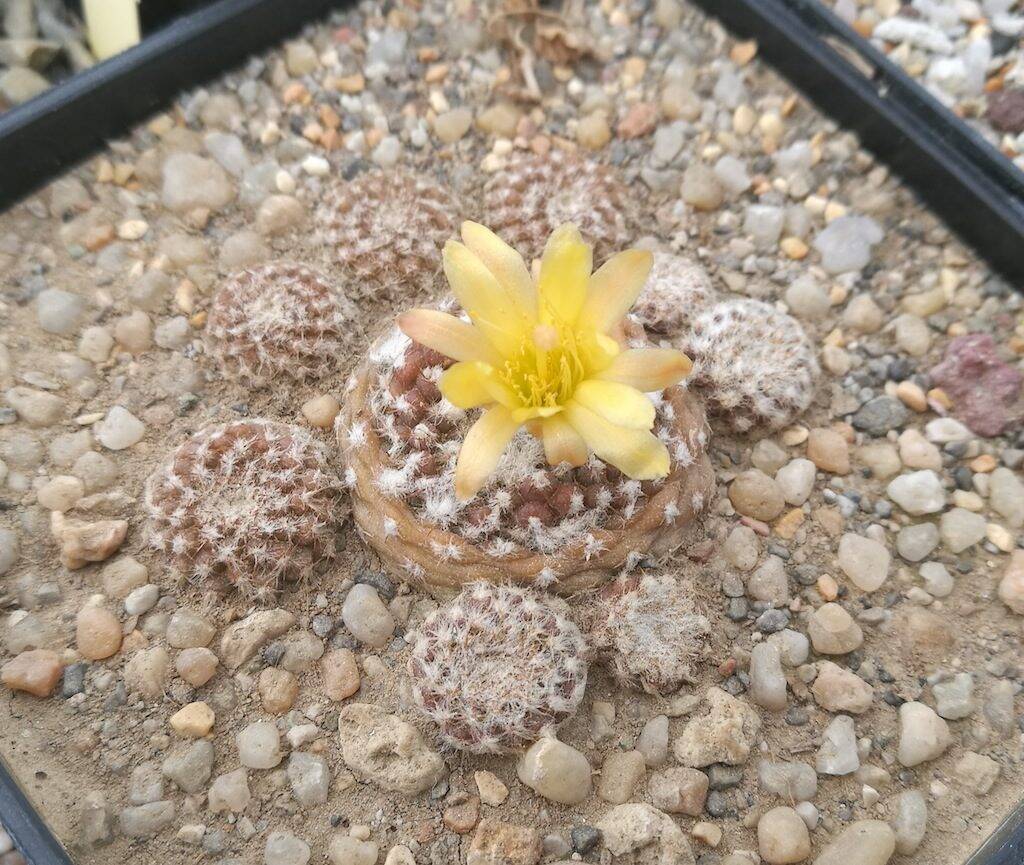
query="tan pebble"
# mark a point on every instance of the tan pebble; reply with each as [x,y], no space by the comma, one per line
[462,818]
[193,721]
[81,543]
[638,121]
[132,229]
[1000,537]
[743,119]
[787,526]
[492,790]
[278,690]
[632,72]
[794,248]
[321,411]
[97,633]
[984,463]
[34,672]
[794,435]
[707,833]
[1011,586]
[592,131]
[196,666]
[743,52]
[829,451]
[827,587]
[912,396]
[341,674]
[937,396]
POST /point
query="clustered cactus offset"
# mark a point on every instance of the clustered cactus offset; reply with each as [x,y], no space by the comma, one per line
[649,631]
[754,366]
[385,228]
[496,667]
[279,319]
[525,202]
[249,504]
[677,291]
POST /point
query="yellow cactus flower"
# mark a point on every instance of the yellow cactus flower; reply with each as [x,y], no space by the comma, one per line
[542,352]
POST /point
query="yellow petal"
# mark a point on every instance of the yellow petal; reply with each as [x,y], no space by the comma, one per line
[648,369]
[471,384]
[564,272]
[528,413]
[489,306]
[464,385]
[637,453]
[618,404]
[504,263]
[562,444]
[614,288]
[448,335]
[483,447]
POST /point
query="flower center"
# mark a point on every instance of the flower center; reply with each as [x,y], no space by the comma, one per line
[546,370]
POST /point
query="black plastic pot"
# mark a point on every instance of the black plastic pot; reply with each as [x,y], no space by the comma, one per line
[971,185]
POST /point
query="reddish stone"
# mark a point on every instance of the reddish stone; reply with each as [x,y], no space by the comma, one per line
[1006,110]
[986,391]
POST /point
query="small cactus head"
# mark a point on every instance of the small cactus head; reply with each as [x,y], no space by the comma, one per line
[677,291]
[495,667]
[649,631]
[525,202]
[385,230]
[753,365]
[279,319]
[249,505]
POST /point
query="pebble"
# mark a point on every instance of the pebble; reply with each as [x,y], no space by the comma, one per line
[284,848]
[119,429]
[592,131]
[912,334]
[910,821]
[278,690]
[863,842]
[653,741]
[639,833]
[782,837]
[259,745]
[864,561]
[796,782]
[833,631]
[367,617]
[796,481]
[724,735]
[701,187]
[229,792]
[341,674]
[450,126]
[59,312]
[556,771]
[187,629]
[806,298]
[679,790]
[196,666]
[742,548]
[191,181]
[879,415]
[279,214]
[916,542]
[767,680]
[190,766]
[10,549]
[146,671]
[976,772]
[838,753]
[123,576]
[838,690]
[1011,586]
[36,672]
[916,452]
[97,633]
[954,697]
[492,790]
[134,332]
[193,720]
[146,821]
[81,543]
[35,407]
[243,639]
[346,850]
[961,529]
[918,493]
[863,315]
[845,244]
[769,582]
[923,735]
[60,493]
[1006,496]
[310,778]
[938,582]
[321,411]
[755,494]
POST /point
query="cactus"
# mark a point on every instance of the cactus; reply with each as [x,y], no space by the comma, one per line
[677,291]
[277,319]
[534,195]
[649,631]
[754,366]
[527,503]
[249,504]
[386,230]
[496,667]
